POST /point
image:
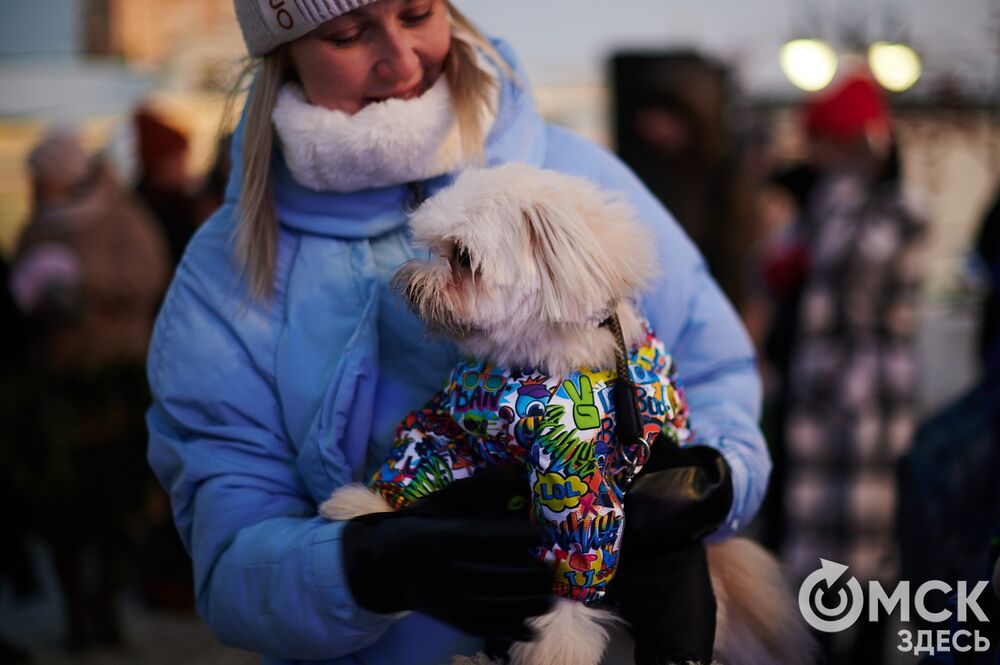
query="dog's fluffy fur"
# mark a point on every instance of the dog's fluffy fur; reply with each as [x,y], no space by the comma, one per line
[549,256]
[525,265]
[758,621]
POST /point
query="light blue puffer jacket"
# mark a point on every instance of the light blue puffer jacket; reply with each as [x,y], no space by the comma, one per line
[261,411]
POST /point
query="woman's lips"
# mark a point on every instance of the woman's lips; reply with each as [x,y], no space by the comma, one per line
[407,93]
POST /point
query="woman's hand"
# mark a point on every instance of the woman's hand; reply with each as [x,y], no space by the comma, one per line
[681,495]
[663,584]
[462,555]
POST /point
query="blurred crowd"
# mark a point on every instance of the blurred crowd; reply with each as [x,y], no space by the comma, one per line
[824,258]
[821,257]
[83,286]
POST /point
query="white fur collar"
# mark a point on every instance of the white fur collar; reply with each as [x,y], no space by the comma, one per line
[383,144]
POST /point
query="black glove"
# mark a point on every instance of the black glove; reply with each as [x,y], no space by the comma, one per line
[680,495]
[462,555]
[662,584]
[669,604]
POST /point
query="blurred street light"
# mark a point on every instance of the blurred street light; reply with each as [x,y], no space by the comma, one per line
[896,66]
[810,64]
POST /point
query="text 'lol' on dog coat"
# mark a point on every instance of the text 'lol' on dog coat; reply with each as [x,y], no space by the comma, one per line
[562,429]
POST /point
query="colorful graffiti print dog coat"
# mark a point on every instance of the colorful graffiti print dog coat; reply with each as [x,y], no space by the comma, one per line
[563,430]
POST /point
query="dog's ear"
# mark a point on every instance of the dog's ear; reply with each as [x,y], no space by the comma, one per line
[628,244]
[590,251]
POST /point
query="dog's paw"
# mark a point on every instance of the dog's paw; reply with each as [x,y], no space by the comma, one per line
[352,501]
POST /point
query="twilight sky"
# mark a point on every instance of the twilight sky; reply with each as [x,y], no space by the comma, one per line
[567,41]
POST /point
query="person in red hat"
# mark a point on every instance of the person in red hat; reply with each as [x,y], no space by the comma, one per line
[852,373]
[165,184]
[848,125]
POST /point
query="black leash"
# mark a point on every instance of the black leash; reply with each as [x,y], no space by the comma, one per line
[628,417]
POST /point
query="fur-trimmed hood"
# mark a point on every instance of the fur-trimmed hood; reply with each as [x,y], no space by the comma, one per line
[518,135]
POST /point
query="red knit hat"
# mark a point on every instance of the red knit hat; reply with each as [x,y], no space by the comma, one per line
[853,108]
[157,140]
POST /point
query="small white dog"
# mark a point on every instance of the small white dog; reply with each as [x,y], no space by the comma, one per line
[528,268]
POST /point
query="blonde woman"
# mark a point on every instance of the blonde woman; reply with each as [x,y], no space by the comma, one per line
[282,362]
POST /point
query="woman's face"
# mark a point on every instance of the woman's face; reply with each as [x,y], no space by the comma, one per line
[389,49]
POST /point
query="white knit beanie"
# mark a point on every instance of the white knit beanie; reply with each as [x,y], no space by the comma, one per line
[270,23]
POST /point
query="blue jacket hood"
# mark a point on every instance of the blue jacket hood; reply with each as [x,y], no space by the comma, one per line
[518,135]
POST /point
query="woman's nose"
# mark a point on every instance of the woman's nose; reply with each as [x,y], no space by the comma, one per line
[397,59]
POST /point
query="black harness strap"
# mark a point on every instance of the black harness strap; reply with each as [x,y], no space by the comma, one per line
[628,418]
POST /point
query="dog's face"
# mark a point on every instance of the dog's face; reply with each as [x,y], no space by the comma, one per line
[518,252]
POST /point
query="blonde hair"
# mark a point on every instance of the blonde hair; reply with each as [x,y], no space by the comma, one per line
[257,231]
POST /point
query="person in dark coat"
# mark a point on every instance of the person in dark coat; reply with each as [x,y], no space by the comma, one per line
[852,375]
[165,185]
[90,269]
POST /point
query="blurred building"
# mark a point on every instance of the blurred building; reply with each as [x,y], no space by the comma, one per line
[146,33]
[88,63]
[675,126]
